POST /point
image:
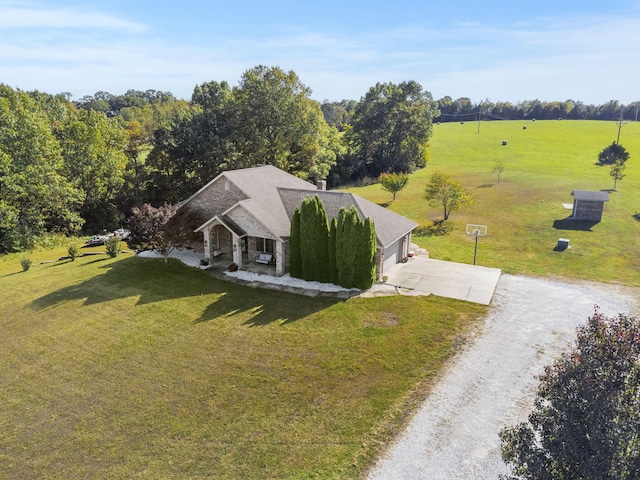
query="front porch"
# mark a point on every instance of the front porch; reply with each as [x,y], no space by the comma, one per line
[226,243]
[221,263]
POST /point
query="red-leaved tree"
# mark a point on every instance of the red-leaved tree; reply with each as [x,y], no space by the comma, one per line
[147,226]
[586,420]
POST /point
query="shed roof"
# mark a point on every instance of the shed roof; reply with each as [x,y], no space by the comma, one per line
[591,195]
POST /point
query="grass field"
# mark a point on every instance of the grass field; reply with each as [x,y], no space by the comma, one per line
[130,368]
[543,163]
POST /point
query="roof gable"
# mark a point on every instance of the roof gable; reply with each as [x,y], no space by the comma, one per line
[272,195]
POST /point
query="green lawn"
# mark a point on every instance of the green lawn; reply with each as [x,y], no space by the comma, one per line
[543,164]
[130,368]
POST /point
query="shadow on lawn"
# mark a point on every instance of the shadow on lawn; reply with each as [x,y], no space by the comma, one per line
[151,280]
[570,223]
[636,216]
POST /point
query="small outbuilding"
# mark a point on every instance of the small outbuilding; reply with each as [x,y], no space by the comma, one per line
[588,204]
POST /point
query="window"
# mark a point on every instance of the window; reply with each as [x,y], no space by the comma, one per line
[264,245]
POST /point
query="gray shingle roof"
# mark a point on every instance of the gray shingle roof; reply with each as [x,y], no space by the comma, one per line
[273,195]
[591,195]
[389,225]
[260,185]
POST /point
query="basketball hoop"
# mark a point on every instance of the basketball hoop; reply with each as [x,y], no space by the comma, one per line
[476,231]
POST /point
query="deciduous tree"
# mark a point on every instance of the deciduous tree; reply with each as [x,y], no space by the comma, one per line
[448,194]
[617,173]
[586,418]
[93,148]
[35,196]
[147,228]
[391,127]
[196,145]
[393,182]
[279,124]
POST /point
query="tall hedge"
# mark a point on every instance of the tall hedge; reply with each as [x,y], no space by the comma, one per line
[346,246]
[314,239]
[333,273]
[342,252]
[365,268]
[295,260]
[322,242]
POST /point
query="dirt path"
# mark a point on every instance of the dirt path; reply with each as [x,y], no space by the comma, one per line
[491,384]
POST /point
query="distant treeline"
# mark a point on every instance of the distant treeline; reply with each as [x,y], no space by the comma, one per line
[464,109]
[338,113]
[82,166]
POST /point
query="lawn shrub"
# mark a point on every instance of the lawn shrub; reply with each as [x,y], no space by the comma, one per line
[113,247]
[26,264]
[73,250]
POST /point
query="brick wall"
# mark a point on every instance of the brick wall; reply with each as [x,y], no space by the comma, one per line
[217,197]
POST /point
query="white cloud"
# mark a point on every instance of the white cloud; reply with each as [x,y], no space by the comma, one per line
[35,17]
[66,49]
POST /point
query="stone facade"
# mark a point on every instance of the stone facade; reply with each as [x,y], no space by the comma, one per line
[249,223]
[221,241]
[216,198]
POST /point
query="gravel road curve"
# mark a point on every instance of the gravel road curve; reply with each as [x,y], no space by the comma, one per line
[491,383]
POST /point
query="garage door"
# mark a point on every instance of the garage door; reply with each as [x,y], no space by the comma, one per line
[391,256]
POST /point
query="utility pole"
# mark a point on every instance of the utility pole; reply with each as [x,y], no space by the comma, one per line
[620,125]
[478,123]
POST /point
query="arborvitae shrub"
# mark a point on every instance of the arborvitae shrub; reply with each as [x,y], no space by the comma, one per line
[295,261]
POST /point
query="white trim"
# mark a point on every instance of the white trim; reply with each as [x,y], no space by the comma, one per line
[269,229]
[206,224]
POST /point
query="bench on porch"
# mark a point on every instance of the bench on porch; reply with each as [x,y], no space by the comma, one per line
[264,258]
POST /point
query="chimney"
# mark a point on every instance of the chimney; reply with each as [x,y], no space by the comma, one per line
[321,184]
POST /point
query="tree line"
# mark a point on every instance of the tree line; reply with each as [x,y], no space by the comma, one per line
[73,167]
[463,109]
[82,166]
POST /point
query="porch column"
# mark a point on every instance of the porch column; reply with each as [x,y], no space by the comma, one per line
[207,242]
[279,257]
[237,250]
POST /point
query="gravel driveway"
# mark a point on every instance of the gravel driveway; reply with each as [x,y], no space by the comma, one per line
[491,383]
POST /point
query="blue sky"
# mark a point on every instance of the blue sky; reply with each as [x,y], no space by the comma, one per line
[497,50]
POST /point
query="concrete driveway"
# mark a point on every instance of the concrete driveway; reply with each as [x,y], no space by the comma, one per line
[446,279]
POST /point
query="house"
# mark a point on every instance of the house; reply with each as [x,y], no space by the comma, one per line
[588,204]
[246,214]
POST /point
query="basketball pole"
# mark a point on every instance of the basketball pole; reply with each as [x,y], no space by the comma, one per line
[475,251]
